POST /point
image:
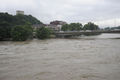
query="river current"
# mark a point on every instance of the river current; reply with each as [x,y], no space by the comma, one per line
[82,58]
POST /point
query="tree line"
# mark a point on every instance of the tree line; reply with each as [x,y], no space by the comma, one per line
[79,26]
[19,27]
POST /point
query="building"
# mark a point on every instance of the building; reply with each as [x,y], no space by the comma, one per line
[56,25]
[58,22]
[19,12]
[53,27]
[36,26]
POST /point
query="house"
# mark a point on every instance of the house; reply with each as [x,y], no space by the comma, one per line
[56,25]
[58,22]
[53,27]
[36,26]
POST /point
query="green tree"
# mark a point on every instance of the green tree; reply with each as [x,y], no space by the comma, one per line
[5,17]
[23,19]
[43,33]
[75,26]
[5,30]
[18,19]
[7,22]
[107,28]
[21,33]
[72,27]
[90,26]
[65,27]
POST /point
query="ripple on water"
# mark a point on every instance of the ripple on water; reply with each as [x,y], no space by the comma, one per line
[61,59]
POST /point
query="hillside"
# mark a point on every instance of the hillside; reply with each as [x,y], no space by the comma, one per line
[18,19]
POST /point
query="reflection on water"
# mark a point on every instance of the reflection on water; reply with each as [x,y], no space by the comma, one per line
[84,58]
[109,36]
[102,36]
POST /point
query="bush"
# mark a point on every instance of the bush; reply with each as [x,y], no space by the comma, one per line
[91,26]
[5,31]
[21,33]
[72,27]
[65,27]
[43,33]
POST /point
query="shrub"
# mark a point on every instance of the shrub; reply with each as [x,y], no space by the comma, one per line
[72,27]
[91,26]
[5,31]
[21,33]
[43,33]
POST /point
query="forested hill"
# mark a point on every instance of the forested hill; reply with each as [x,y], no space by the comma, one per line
[18,19]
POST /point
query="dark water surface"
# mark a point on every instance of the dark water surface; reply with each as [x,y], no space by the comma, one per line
[84,58]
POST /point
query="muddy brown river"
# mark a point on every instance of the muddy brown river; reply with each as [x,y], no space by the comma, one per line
[83,58]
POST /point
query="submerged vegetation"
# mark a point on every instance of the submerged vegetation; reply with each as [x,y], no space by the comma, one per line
[5,30]
[21,33]
[43,33]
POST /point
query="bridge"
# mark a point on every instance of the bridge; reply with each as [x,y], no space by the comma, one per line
[87,32]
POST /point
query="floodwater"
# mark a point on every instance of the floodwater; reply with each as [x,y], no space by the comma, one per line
[83,58]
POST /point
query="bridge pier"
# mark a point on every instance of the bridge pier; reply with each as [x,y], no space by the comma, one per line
[66,35]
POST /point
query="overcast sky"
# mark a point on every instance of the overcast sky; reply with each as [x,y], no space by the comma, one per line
[102,12]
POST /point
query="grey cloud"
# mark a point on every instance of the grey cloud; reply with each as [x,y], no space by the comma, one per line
[67,10]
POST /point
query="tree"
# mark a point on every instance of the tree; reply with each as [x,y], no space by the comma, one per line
[5,30]
[107,28]
[43,33]
[65,27]
[5,17]
[90,26]
[22,19]
[72,27]
[75,26]
[7,22]
[21,33]
[18,19]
